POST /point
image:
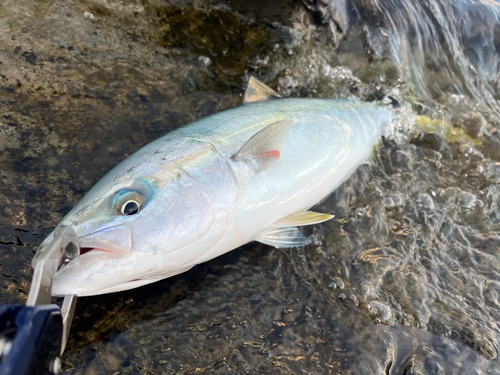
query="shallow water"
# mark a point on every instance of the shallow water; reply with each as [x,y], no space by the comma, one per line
[404,280]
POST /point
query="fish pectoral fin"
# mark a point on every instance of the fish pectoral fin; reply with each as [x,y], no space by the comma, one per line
[284,237]
[302,218]
[263,148]
[257,92]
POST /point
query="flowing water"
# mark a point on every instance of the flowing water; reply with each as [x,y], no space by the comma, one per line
[404,280]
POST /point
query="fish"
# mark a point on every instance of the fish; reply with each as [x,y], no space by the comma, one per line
[250,173]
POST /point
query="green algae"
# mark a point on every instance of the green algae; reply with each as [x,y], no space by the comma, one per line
[451,133]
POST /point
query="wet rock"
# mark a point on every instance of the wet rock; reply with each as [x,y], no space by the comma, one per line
[380,311]
[493,171]
[466,200]
[473,124]
[326,12]
[84,84]
[426,201]
[435,142]
[394,201]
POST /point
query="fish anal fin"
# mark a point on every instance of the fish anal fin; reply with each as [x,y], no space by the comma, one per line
[258,92]
[301,218]
[263,149]
[283,237]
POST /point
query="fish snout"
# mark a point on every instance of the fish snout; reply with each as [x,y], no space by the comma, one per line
[101,253]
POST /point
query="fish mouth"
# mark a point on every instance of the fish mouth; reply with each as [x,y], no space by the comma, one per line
[116,241]
[83,252]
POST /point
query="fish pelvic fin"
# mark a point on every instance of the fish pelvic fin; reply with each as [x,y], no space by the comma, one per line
[301,218]
[258,92]
[284,237]
[263,148]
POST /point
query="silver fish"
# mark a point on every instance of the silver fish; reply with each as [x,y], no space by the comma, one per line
[247,174]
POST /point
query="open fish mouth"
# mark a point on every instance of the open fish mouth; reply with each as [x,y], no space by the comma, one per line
[83,251]
[116,241]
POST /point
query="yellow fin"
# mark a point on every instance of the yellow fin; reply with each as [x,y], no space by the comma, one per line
[302,218]
[258,92]
[451,134]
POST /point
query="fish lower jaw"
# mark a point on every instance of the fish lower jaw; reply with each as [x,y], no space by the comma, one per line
[136,282]
[118,288]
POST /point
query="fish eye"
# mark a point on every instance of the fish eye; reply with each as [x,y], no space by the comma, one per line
[128,202]
[130,207]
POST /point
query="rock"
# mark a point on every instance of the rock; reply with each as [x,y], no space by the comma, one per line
[473,123]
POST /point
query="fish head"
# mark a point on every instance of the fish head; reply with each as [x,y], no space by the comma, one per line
[149,218]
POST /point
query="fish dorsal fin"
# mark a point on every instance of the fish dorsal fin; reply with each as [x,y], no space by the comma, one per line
[263,150]
[283,237]
[258,92]
[302,218]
